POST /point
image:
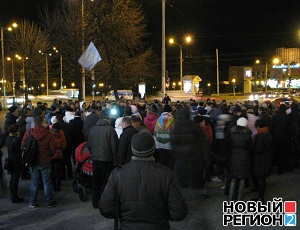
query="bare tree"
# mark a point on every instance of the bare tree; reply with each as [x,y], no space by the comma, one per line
[26,41]
[119,32]
[117,28]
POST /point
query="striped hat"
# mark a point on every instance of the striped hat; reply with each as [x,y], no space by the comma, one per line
[143,145]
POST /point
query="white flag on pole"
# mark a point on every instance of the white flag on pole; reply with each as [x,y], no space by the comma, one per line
[90,57]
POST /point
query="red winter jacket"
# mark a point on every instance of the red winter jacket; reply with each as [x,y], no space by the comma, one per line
[60,143]
[45,145]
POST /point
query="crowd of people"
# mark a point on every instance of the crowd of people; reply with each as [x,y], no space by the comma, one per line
[153,150]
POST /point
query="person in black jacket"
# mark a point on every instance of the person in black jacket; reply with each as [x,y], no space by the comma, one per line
[190,147]
[91,120]
[10,118]
[262,158]
[295,139]
[124,151]
[13,144]
[147,193]
[240,160]
[76,126]
[281,129]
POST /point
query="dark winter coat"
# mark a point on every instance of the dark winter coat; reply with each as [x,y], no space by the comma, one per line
[9,120]
[240,161]
[13,144]
[88,123]
[262,157]
[148,193]
[281,128]
[76,126]
[124,151]
[103,142]
[45,146]
[190,146]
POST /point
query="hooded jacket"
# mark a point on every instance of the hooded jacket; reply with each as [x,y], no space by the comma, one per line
[150,121]
[103,142]
[163,127]
[45,146]
[124,151]
[118,126]
[88,123]
[60,143]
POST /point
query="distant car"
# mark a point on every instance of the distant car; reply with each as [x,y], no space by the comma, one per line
[272,94]
[282,100]
[285,94]
[257,96]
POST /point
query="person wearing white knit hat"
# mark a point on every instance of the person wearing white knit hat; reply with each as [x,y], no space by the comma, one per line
[240,161]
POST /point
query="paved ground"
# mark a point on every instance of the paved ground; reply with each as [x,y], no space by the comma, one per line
[71,213]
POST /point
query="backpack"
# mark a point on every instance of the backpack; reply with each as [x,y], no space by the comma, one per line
[29,153]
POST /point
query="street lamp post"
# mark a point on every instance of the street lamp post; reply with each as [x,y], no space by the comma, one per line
[187,40]
[23,76]
[47,70]
[13,77]
[3,64]
[82,48]
[163,48]
[233,87]
[60,62]
[3,68]
[47,77]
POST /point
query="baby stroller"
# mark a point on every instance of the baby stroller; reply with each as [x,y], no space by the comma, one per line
[82,183]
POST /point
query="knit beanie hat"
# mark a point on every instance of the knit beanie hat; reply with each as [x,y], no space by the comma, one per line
[56,126]
[12,109]
[242,122]
[143,145]
[282,107]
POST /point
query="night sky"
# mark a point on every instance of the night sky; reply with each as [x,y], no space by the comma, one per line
[241,29]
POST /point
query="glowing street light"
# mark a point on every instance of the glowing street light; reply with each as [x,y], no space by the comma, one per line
[101,85]
[174,85]
[233,87]
[187,40]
